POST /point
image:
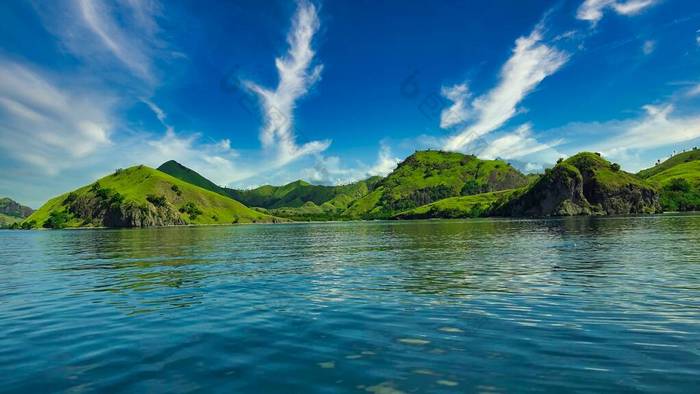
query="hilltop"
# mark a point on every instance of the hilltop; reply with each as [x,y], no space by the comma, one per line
[12,212]
[678,181]
[141,197]
[188,175]
[429,176]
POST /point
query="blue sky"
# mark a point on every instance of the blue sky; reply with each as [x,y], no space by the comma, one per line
[250,92]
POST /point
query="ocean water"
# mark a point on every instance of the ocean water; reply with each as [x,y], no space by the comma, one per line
[570,305]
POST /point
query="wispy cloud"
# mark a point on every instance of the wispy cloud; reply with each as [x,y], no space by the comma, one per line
[386,162]
[531,62]
[108,34]
[46,124]
[458,112]
[593,10]
[632,141]
[329,170]
[297,74]
[648,47]
[215,158]
[521,144]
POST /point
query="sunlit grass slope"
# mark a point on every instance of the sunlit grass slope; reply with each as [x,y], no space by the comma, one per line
[151,191]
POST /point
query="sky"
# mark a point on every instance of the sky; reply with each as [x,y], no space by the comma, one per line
[250,93]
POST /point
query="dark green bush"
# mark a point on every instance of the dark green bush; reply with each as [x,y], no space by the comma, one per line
[191,209]
[158,201]
[57,220]
[678,185]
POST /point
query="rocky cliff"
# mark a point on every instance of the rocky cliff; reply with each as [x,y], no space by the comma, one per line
[585,184]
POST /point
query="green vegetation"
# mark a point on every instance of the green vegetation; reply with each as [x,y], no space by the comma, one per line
[141,196]
[683,157]
[183,173]
[428,184]
[473,206]
[429,176]
[12,212]
[678,180]
[57,220]
[584,184]
[298,193]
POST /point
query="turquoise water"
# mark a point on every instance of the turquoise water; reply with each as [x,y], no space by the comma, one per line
[581,304]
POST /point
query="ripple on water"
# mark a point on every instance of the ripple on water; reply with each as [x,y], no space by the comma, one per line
[580,304]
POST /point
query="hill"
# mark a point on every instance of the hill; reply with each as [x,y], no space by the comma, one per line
[12,212]
[298,200]
[678,181]
[584,184]
[429,176]
[296,194]
[188,175]
[141,197]
[684,157]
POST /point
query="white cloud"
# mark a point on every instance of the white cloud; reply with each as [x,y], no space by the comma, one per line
[297,75]
[518,144]
[214,160]
[386,162]
[329,170]
[531,62]
[659,127]
[648,47]
[48,125]
[694,91]
[593,10]
[633,142]
[458,112]
[108,33]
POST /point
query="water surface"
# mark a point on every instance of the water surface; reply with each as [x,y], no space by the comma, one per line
[579,304]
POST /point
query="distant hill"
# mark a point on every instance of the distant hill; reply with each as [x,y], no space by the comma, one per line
[12,212]
[298,200]
[678,181]
[429,176]
[141,197]
[298,193]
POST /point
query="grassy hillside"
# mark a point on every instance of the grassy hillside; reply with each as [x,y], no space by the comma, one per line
[7,220]
[429,176]
[678,181]
[12,212]
[476,205]
[142,196]
[298,193]
[684,157]
[183,173]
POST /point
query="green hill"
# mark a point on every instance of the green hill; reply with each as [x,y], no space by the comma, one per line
[12,212]
[473,206]
[684,157]
[678,181]
[183,173]
[584,184]
[298,193]
[429,176]
[298,200]
[141,197]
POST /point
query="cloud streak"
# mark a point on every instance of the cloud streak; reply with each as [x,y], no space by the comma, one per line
[297,74]
[530,63]
[46,124]
[594,10]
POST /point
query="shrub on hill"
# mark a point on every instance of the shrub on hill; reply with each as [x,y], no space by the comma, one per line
[57,220]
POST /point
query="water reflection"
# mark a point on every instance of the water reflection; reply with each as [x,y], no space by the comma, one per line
[609,304]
